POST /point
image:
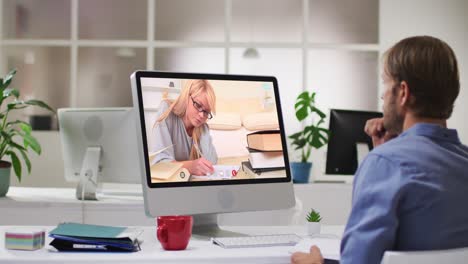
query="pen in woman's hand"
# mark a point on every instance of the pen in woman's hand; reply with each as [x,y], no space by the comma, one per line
[206,162]
[197,149]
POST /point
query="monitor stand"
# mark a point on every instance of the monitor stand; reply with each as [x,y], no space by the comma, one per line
[88,184]
[362,149]
[205,226]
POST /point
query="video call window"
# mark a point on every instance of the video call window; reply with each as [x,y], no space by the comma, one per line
[193,125]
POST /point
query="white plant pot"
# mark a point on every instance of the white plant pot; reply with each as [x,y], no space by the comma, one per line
[313,228]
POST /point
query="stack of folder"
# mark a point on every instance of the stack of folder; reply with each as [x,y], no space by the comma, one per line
[83,237]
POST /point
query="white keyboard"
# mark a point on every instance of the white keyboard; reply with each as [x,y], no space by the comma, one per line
[257,241]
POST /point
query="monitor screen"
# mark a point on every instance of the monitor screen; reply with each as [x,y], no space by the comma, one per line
[218,139]
[230,126]
[346,136]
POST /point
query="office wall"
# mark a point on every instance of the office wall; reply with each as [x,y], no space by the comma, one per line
[398,19]
[47,168]
[333,201]
[445,19]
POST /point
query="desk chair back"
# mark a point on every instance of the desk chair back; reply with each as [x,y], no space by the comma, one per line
[453,256]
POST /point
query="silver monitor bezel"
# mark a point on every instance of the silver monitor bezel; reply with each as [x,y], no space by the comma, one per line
[209,196]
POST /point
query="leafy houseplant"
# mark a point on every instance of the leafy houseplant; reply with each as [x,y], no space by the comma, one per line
[313,135]
[15,135]
[313,222]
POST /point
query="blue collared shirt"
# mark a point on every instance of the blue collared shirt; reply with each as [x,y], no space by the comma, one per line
[409,194]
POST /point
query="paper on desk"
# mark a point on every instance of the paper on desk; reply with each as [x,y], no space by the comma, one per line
[330,247]
[132,233]
[221,172]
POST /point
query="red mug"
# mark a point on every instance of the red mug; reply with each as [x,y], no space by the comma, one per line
[174,232]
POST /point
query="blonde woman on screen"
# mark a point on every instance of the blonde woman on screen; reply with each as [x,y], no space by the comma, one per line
[181,129]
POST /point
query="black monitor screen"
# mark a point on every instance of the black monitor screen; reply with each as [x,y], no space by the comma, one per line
[346,129]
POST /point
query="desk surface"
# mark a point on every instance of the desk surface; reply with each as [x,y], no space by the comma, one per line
[122,206]
[48,206]
[197,251]
[129,194]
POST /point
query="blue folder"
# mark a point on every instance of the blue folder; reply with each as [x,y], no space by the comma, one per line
[83,237]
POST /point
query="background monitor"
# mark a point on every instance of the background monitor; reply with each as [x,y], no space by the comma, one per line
[347,138]
[98,145]
[244,105]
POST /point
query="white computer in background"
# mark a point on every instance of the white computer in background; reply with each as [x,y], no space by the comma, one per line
[244,105]
[98,145]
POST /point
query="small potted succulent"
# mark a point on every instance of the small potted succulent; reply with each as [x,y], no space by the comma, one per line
[16,138]
[313,222]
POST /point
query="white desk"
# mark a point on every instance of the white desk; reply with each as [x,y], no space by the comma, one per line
[49,206]
[152,252]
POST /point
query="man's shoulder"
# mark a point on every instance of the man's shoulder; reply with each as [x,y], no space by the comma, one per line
[398,150]
[399,146]
[383,165]
[387,148]
[409,149]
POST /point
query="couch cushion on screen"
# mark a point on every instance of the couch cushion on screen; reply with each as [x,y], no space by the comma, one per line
[225,121]
[261,121]
[243,106]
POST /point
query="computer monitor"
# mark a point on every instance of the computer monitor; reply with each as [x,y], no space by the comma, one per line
[348,143]
[98,145]
[245,111]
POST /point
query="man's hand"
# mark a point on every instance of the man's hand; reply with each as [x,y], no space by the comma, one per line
[376,130]
[314,257]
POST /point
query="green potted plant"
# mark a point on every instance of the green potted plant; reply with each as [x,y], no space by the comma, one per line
[313,135]
[313,222]
[15,135]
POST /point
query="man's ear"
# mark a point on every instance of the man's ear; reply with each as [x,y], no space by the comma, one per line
[404,94]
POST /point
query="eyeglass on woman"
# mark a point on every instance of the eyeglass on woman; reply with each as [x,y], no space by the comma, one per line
[200,109]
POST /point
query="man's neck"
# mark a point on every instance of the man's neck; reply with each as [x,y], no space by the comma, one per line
[411,120]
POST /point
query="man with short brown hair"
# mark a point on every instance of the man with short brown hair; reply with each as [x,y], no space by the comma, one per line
[409,191]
